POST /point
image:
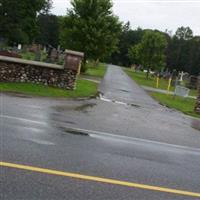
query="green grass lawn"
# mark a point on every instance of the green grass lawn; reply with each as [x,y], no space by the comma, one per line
[98,71]
[84,88]
[140,78]
[28,55]
[193,93]
[185,105]
[31,56]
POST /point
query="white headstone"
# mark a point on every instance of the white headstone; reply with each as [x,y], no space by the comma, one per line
[181,91]
[19,47]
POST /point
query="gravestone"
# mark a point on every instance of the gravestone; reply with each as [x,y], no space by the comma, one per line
[193,80]
[44,49]
[33,48]
[181,91]
[38,53]
[19,47]
[53,55]
[49,49]
[174,77]
[73,60]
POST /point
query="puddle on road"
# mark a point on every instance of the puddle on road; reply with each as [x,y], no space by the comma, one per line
[63,108]
[73,131]
[195,124]
[135,105]
[17,94]
[77,132]
[59,117]
[83,107]
[122,90]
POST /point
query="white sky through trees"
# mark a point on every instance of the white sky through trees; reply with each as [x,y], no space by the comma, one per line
[154,14]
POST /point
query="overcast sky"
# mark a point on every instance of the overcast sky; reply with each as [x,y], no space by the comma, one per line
[154,14]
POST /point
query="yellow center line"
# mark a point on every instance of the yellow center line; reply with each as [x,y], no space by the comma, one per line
[99,179]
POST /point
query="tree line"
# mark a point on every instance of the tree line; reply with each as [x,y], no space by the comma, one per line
[163,50]
[90,26]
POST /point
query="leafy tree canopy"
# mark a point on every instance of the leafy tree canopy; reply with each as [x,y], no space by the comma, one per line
[183,52]
[184,33]
[18,19]
[150,52]
[91,27]
[48,30]
[128,38]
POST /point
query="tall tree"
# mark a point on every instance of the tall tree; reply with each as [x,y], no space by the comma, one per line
[18,19]
[128,38]
[193,64]
[91,27]
[47,7]
[183,51]
[151,50]
[134,54]
[48,26]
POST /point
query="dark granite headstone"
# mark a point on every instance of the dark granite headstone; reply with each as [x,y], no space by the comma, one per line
[193,82]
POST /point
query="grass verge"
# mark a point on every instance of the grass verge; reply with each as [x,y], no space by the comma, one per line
[84,88]
[140,79]
[185,105]
[98,71]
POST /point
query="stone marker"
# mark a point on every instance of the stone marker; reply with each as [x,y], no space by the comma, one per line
[38,53]
[53,55]
[181,91]
[33,48]
[193,82]
[73,60]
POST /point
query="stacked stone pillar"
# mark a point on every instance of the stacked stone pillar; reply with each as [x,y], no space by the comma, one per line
[197,106]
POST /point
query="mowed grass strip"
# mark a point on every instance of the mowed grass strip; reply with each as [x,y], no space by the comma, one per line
[185,105]
[84,88]
[98,71]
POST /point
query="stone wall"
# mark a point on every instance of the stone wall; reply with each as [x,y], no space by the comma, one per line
[19,70]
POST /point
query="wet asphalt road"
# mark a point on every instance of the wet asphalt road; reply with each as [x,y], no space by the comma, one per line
[136,140]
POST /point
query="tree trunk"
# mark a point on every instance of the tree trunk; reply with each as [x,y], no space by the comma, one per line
[84,65]
[147,74]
